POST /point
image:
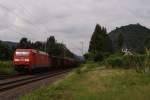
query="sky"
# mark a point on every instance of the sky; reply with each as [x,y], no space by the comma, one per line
[72,22]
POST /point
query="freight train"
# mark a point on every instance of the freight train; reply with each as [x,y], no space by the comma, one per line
[31,59]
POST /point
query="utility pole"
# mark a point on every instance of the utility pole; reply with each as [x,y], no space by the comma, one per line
[82,48]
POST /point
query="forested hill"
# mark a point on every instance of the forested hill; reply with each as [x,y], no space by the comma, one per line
[10,44]
[135,37]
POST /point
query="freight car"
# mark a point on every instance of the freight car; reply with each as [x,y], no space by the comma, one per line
[59,62]
[30,59]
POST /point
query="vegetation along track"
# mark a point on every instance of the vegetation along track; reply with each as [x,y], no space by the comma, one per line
[4,86]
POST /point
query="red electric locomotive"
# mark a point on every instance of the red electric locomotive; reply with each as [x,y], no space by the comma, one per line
[30,59]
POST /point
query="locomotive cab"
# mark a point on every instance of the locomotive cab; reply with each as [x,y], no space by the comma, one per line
[22,59]
[30,60]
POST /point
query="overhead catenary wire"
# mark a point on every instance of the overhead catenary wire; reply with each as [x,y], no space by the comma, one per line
[16,14]
[12,28]
[30,15]
[36,29]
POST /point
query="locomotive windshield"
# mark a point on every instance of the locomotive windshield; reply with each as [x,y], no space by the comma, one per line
[24,54]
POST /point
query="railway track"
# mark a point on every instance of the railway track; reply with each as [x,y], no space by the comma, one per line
[10,84]
[5,76]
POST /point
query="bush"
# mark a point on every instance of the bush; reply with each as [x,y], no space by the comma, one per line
[113,62]
[96,56]
[78,71]
[134,60]
[140,62]
[129,61]
[86,56]
[6,67]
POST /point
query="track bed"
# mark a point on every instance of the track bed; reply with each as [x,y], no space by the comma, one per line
[16,88]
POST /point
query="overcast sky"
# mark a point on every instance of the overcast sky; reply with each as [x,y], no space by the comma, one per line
[70,21]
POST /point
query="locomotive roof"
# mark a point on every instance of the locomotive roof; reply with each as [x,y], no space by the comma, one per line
[32,50]
[66,58]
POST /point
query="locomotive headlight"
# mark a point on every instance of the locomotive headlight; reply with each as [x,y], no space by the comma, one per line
[27,60]
[16,60]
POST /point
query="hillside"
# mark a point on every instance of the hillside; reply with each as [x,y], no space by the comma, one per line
[10,44]
[134,36]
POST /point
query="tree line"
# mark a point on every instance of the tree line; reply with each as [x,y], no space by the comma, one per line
[51,46]
[6,52]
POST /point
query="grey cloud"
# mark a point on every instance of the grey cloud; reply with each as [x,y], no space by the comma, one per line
[71,21]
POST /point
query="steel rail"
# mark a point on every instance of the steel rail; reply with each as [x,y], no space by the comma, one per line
[16,83]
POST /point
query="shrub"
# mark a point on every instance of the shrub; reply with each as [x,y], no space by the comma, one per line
[129,61]
[96,56]
[86,56]
[114,61]
[78,71]
[140,62]
[6,67]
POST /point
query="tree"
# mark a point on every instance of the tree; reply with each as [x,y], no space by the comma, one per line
[39,46]
[5,52]
[100,42]
[51,40]
[24,43]
[147,43]
[120,41]
[57,49]
[51,45]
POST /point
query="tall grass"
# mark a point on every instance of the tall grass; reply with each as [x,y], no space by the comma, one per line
[107,84]
[6,67]
[89,66]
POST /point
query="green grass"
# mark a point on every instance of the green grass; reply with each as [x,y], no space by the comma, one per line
[97,83]
[6,68]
